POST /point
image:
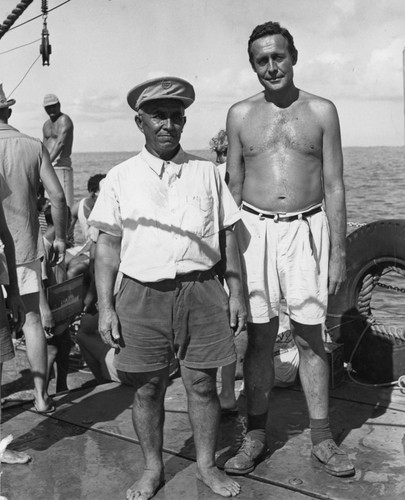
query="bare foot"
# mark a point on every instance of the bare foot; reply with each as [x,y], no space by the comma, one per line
[219,482]
[44,405]
[15,457]
[147,486]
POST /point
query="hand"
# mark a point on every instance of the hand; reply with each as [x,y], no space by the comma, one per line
[237,313]
[337,273]
[108,326]
[17,308]
[48,323]
[57,252]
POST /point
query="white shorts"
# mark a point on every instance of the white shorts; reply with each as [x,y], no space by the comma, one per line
[29,277]
[285,259]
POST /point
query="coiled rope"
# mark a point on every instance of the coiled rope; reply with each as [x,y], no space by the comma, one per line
[12,18]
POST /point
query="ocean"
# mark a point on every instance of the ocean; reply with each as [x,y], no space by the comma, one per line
[374,179]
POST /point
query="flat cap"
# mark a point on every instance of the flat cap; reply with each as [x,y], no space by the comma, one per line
[50,99]
[167,87]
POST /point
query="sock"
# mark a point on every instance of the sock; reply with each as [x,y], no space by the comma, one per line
[256,426]
[320,430]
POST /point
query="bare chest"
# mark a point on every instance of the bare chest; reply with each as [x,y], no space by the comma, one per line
[281,133]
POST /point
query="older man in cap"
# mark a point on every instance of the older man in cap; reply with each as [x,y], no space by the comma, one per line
[164,216]
[24,163]
[58,138]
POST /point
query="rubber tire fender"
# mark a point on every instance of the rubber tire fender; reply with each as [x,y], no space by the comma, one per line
[375,245]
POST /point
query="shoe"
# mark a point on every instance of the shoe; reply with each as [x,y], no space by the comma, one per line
[246,458]
[334,460]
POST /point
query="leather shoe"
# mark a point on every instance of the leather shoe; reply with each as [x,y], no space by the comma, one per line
[246,457]
[334,460]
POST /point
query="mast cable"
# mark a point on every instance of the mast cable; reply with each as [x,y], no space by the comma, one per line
[23,78]
[20,46]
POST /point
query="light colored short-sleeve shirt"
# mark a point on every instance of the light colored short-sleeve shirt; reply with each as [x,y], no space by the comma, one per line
[167,214]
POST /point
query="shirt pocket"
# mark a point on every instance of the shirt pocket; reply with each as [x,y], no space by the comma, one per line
[198,217]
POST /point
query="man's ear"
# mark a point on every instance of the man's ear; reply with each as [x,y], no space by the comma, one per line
[10,111]
[138,121]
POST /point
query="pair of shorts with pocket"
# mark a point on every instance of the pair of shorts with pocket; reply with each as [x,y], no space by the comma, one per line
[186,318]
[287,260]
[29,277]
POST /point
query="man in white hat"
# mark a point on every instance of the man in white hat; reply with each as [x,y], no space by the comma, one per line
[58,139]
[24,163]
[162,216]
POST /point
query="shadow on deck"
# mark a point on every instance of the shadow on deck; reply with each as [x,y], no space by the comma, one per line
[88,449]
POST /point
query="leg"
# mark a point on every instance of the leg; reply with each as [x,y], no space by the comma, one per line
[10,456]
[314,375]
[259,380]
[62,360]
[204,413]
[36,350]
[92,347]
[313,368]
[52,351]
[148,420]
[227,396]
[258,367]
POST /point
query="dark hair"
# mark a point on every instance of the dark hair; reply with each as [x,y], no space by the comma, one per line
[93,184]
[219,143]
[272,28]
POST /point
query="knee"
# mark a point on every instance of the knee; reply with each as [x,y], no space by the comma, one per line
[151,390]
[202,387]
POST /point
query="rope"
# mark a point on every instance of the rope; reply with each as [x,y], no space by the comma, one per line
[40,15]
[20,47]
[400,382]
[23,78]
[12,18]
[356,224]
[370,281]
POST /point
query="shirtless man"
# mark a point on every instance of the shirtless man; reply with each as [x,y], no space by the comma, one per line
[58,139]
[286,171]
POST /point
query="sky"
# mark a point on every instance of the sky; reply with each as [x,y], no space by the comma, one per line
[349,51]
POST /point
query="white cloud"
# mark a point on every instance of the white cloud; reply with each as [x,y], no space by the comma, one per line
[347,7]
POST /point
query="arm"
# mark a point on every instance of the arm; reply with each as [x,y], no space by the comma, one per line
[233,278]
[107,261]
[58,206]
[65,129]
[235,165]
[334,196]
[47,320]
[14,301]
[74,218]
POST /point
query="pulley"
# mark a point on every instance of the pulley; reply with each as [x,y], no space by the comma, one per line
[45,48]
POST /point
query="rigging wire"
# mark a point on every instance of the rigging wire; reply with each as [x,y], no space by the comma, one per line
[19,47]
[40,15]
[23,78]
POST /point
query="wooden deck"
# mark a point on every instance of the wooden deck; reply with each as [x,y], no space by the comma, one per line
[88,449]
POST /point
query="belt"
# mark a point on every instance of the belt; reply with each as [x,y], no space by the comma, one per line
[283,218]
[171,284]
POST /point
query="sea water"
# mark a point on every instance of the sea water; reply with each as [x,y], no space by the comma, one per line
[374,179]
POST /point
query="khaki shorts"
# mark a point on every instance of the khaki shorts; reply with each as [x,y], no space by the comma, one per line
[285,259]
[189,318]
[29,277]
